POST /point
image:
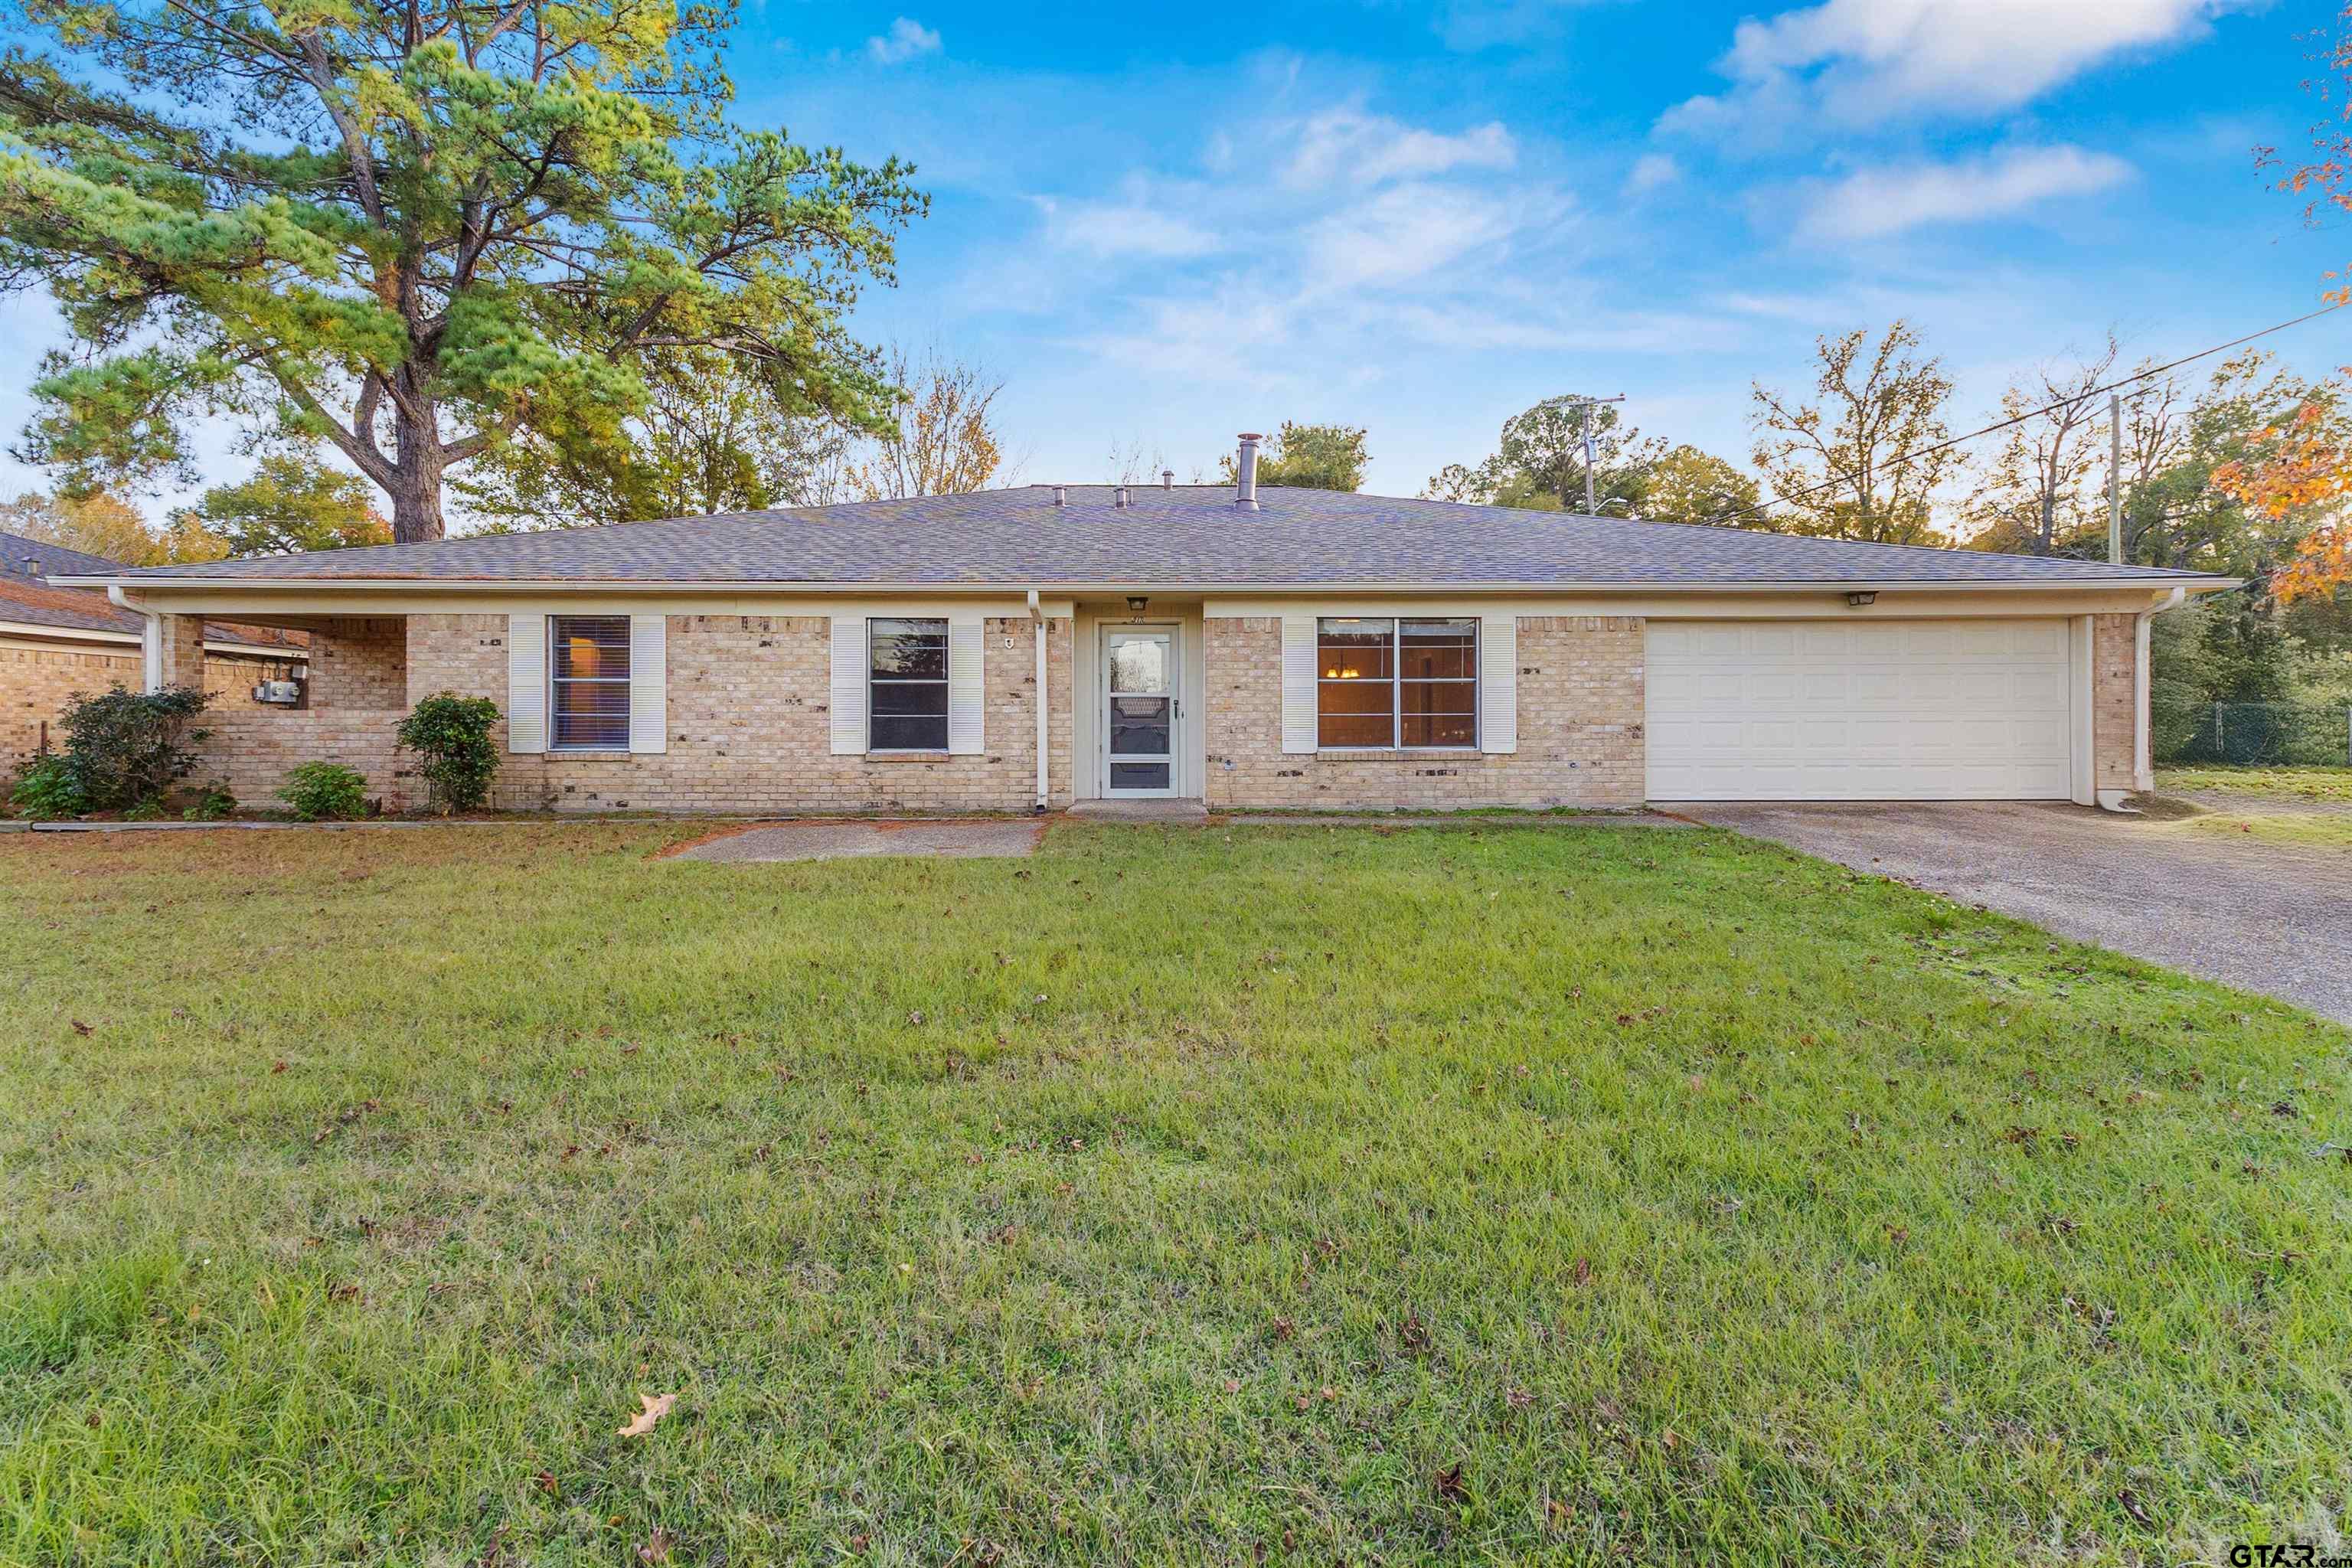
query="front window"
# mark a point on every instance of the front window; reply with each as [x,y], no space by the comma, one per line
[1395,683]
[907,685]
[590,675]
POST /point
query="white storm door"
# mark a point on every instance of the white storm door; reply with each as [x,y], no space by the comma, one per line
[1141,708]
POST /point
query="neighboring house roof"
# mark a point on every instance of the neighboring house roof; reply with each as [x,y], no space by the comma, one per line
[28,599]
[29,602]
[33,560]
[1190,536]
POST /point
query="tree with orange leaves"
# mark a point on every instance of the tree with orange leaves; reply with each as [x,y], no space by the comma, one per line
[2306,464]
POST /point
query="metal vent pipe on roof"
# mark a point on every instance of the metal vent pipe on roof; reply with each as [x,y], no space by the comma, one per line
[1245,496]
[1118,498]
[1059,498]
[1166,478]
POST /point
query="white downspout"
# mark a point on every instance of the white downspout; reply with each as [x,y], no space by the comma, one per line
[1045,710]
[151,638]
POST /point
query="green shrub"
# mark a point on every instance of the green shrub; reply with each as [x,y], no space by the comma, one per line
[123,747]
[325,790]
[148,810]
[452,733]
[46,791]
[213,804]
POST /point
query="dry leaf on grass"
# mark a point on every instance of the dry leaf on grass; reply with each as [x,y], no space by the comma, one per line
[656,1406]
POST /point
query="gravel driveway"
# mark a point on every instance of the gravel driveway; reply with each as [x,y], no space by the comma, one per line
[2266,917]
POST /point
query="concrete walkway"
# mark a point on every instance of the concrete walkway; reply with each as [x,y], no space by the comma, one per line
[2272,918]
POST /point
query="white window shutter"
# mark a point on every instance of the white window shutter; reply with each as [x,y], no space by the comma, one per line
[850,670]
[1298,683]
[648,683]
[967,686]
[526,683]
[1499,683]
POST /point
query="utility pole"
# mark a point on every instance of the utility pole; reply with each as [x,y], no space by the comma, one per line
[2115,480]
[1587,404]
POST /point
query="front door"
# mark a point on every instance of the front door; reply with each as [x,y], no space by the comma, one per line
[1141,707]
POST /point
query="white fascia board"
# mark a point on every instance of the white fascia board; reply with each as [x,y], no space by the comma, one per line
[131,639]
[282,588]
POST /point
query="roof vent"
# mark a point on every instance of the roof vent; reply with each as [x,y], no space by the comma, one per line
[1119,497]
[1166,478]
[1060,499]
[1245,491]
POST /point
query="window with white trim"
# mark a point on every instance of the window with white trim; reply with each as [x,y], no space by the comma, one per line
[907,685]
[1382,684]
[588,682]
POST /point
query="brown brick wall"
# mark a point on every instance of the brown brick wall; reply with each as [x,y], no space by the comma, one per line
[254,749]
[359,692]
[2115,701]
[181,643]
[360,662]
[1580,728]
[750,706]
[35,684]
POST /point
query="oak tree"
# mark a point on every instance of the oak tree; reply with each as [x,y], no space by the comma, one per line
[1309,457]
[291,504]
[1867,457]
[2043,485]
[942,438]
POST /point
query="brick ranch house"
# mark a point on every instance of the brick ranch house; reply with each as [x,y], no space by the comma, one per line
[1037,647]
[55,642]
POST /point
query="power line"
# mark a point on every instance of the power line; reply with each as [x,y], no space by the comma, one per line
[2035,413]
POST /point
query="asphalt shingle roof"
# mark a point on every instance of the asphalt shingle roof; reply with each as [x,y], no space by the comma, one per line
[1190,536]
[33,560]
[28,599]
[31,603]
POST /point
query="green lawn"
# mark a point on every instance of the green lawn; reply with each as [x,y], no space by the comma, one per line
[2300,783]
[2326,830]
[1479,1194]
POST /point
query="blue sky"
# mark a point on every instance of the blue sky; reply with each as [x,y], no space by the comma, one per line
[1162,225]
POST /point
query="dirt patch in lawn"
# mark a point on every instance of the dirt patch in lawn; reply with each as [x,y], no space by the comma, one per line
[856,840]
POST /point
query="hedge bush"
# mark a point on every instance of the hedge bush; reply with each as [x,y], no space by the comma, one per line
[325,790]
[213,804]
[452,734]
[46,791]
[124,748]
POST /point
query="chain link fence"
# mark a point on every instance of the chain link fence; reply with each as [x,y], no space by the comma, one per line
[2270,734]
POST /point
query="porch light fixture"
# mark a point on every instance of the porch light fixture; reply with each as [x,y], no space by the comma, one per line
[1135,603]
[1858,600]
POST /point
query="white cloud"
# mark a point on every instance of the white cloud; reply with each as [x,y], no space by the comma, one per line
[906,39]
[1872,203]
[1133,227]
[1652,172]
[1404,233]
[1349,144]
[1857,61]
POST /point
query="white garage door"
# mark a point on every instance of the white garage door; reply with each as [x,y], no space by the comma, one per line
[1958,710]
